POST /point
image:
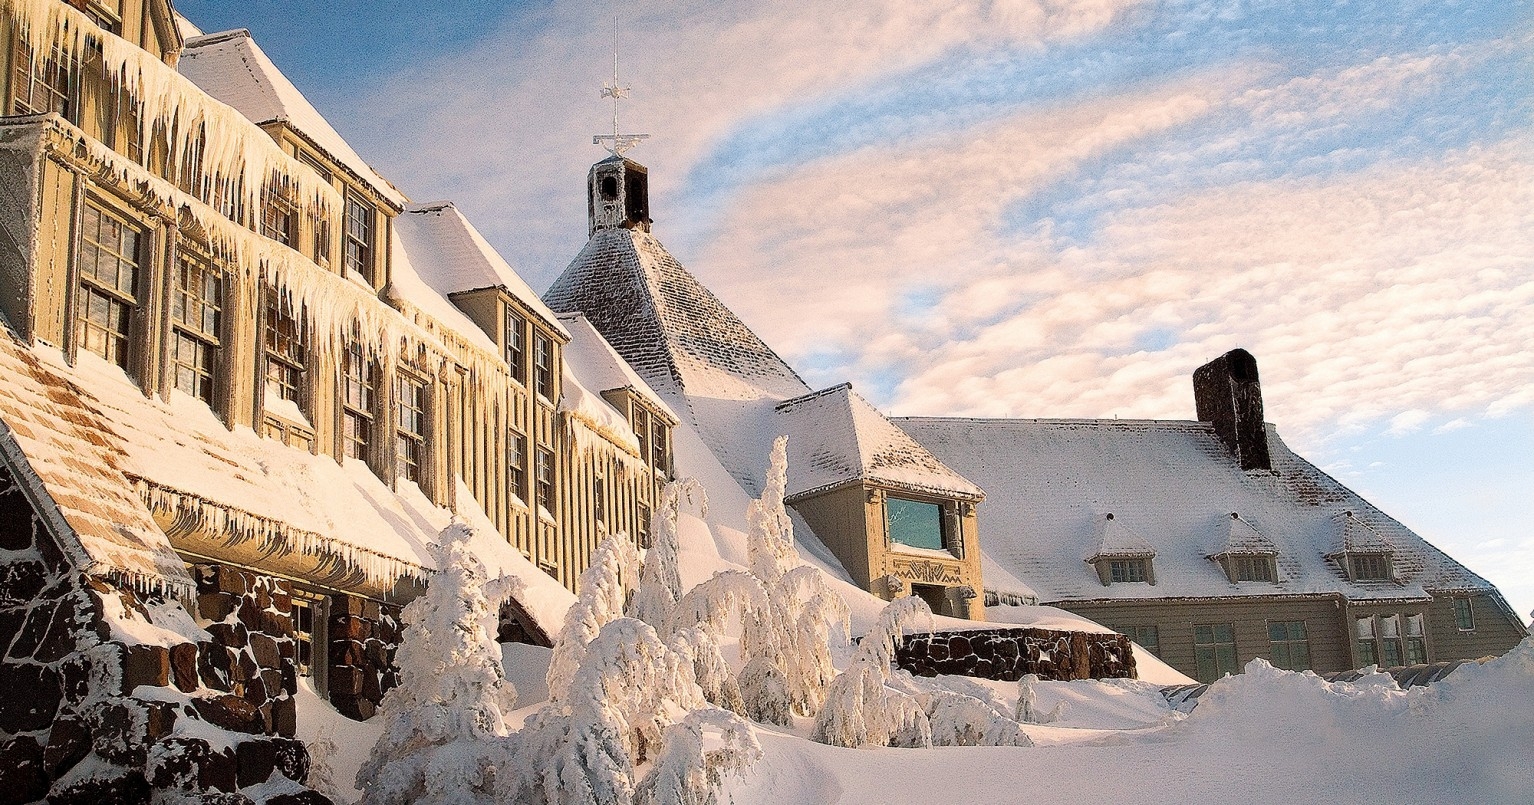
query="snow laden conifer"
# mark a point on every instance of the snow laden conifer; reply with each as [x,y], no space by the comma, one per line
[861,708]
[788,659]
[603,591]
[698,626]
[616,715]
[660,582]
[444,725]
[959,720]
[686,773]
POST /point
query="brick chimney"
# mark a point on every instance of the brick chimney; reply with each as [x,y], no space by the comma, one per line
[1228,395]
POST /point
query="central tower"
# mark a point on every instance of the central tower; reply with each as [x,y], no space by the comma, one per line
[618,195]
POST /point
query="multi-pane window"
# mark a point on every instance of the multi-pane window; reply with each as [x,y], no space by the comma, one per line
[516,346]
[1149,637]
[1253,568]
[110,262]
[1126,570]
[659,456]
[1416,640]
[642,525]
[358,255]
[278,216]
[1464,616]
[543,366]
[1214,649]
[196,313]
[516,463]
[359,389]
[410,433]
[304,635]
[1368,644]
[44,85]
[1290,645]
[543,476]
[1390,641]
[914,523]
[1370,567]
[642,429]
[285,353]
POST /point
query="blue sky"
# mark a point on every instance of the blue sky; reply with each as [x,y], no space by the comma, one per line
[1020,208]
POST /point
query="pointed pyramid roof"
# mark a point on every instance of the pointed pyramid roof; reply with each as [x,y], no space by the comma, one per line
[670,328]
[836,438]
[1353,535]
[695,352]
[1116,539]
[1242,537]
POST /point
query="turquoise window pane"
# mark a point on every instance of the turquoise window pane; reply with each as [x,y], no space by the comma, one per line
[919,525]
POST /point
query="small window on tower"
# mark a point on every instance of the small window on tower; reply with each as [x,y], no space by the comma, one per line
[609,187]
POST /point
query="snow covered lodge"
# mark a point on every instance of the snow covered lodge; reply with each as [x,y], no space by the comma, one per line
[245,381]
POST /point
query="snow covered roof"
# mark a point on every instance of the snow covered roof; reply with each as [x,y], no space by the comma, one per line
[1050,483]
[231,67]
[835,438]
[1243,538]
[689,347]
[55,441]
[451,256]
[405,283]
[1117,539]
[599,367]
[109,457]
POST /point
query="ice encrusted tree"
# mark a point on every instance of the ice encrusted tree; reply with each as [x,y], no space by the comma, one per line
[603,591]
[861,708]
[1028,703]
[959,720]
[788,659]
[618,712]
[697,630]
[687,773]
[660,582]
[444,725]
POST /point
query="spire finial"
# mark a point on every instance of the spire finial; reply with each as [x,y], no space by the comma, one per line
[617,142]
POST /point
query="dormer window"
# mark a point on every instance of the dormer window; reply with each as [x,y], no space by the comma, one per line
[1369,566]
[1128,570]
[915,523]
[1252,568]
[1248,555]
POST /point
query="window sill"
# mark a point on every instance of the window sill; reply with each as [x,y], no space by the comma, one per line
[935,553]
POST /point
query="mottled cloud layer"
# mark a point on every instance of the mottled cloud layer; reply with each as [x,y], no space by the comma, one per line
[1044,207]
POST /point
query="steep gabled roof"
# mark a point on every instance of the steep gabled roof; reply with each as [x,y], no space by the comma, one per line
[1242,538]
[836,438]
[599,367]
[232,68]
[1048,483]
[450,255]
[1353,535]
[683,341]
[1115,539]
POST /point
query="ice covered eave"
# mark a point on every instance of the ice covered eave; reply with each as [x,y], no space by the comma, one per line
[391,195]
[507,296]
[1099,556]
[658,405]
[883,485]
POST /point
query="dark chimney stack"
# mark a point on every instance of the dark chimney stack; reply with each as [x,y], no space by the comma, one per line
[1228,395]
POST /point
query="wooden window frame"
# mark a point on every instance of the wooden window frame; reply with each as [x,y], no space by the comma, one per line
[1464,613]
[359,405]
[543,366]
[1216,664]
[411,402]
[1284,644]
[359,250]
[515,346]
[197,324]
[95,297]
[1125,571]
[543,479]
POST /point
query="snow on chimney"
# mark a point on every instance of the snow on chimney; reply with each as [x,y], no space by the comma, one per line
[1227,394]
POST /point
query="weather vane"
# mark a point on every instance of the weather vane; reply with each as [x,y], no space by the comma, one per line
[616,143]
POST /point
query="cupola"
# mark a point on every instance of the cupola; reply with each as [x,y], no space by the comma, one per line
[618,195]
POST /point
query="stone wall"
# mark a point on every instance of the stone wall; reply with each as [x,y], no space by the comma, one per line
[252,654]
[363,638]
[1008,654]
[107,694]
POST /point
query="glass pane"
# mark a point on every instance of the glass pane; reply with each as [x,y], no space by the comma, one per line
[919,525]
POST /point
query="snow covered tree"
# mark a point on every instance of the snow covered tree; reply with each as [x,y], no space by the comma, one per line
[322,776]
[788,659]
[697,629]
[959,720]
[660,582]
[629,689]
[444,724]
[603,592]
[861,708]
[688,774]
[1028,703]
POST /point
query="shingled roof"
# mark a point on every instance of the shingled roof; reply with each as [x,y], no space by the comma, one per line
[1049,484]
[836,438]
[683,341]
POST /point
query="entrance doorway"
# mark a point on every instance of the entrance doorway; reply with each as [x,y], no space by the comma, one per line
[935,596]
